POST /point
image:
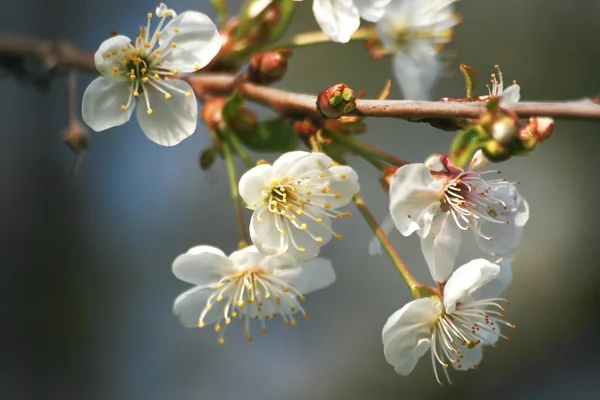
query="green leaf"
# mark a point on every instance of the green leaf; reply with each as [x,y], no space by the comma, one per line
[233,106]
[470,76]
[221,8]
[466,143]
[273,136]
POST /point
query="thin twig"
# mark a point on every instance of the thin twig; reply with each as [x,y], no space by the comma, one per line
[289,103]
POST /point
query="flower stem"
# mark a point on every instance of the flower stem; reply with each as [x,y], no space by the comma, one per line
[240,150]
[357,147]
[227,155]
[410,280]
[318,37]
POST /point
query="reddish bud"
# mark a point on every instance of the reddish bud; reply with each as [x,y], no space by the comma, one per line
[305,128]
[212,112]
[336,101]
[268,67]
[540,127]
[244,121]
[386,178]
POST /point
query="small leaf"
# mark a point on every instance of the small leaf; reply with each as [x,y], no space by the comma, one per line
[233,106]
[208,157]
[470,76]
[273,136]
[465,144]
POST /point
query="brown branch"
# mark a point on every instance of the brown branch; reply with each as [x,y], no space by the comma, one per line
[62,53]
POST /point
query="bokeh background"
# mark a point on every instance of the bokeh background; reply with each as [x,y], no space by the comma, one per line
[85,264]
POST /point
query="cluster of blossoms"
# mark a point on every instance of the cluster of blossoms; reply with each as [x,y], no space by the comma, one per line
[296,200]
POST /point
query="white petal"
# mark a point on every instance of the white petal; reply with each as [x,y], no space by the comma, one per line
[268,239]
[203,266]
[466,280]
[434,162]
[441,246]
[478,162]
[253,182]
[102,101]
[371,10]
[338,19]
[115,43]
[198,42]
[496,287]
[406,327]
[189,305]
[414,199]
[511,95]
[172,120]
[506,237]
[295,163]
[309,276]
[346,187]
[416,69]
[247,258]
[470,357]
[411,361]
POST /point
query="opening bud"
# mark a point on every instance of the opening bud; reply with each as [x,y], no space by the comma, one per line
[268,67]
[505,129]
[336,101]
[212,112]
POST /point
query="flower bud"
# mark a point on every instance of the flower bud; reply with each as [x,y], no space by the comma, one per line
[386,178]
[305,128]
[505,130]
[212,112]
[336,101]
[496,152]
[540,127]
[244,121]
[268,67]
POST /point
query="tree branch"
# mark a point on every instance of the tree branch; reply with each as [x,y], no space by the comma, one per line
[62,53]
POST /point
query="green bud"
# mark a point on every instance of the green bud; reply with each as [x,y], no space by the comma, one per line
[336,101]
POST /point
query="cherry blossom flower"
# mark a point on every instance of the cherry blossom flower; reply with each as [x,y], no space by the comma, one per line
[454,325]
[415,31]
[143,69]
[438,205]
[246,285]
[294,201]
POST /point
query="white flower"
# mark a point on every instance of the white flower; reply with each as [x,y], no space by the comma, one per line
[294,200]
[438,205]
[168,112]
[510,95]
[455,325]
[246,285]
[415,31]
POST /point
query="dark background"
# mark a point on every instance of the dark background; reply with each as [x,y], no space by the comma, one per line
[85,265]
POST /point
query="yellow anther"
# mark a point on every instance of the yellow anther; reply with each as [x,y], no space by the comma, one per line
[217,328]
[283,232]
[302,299]
[259,219]
[188,94]
[303,227]
[302,249]
[221,340]
[322,175]
[156,76]
[201,324]
[287,324]
[175,72]
[305,316]
[244,332]
[219,298]
[167,95]
[123,108]
[149,15]
[292,308]
[143,71]
[347,214]
[319,219]
[227,320]
[174,45]
[261,162]
[319,239]
[327,205]
[294,322]
[299,211]
[219,285]
[343,176]
[249,339]
[176,30]
[234,314]
[208,308]
[264,331]
[149,112]
[196,67]
[308,192]
[147,45]
[338,236]
[158,35]
[241,304]
[338,215]
[337,195]
[145,79]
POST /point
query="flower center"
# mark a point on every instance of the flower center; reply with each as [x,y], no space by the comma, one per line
[468,198]
[470,325]
[252,294]
[299,203]
[143,64]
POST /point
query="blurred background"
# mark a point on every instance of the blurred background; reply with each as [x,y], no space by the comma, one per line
[86,286]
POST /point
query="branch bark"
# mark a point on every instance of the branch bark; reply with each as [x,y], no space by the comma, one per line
[62,53]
